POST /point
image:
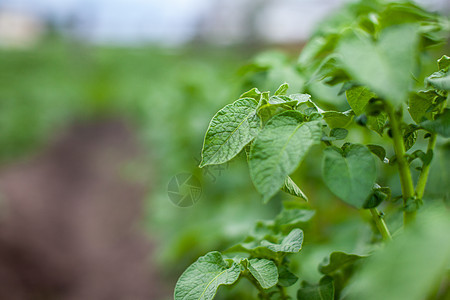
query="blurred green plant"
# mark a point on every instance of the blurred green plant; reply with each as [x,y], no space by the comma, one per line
[377,52]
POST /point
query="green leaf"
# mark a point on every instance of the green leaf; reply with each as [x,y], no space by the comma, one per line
[350,173]
[292,188]
[378,151]
[273,249]
[337,261]
[420,104]
[292,243]
[358,97]
[229,131]
[409,267]
[339,133]
[322,291]
[265,272]
[444,63]
[441,125]
[282,89]
[385,65]
[285,277]
[378,195]
[202,279]
[337,119]
[410,136]
[254,93]
[278,150]
[294,216]
[440,80]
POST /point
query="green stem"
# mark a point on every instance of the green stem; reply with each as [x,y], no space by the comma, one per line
[403,166]
[381,225]
[282,292]
[423,177]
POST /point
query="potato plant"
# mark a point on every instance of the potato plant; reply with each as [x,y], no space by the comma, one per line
[375,52]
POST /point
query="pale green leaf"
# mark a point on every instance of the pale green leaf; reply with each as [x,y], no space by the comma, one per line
[292,188]
[411,266]
[229,131]
[441,125]
[265,272]
[350,173]
[278,150]
[440,80]
[282,89]
[292,243]
[337,119]
[385,65]
[201,280]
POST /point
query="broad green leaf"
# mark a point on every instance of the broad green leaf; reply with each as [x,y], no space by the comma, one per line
[322,291]
[229,131]
[337,119]
[278,150]
[265,272]
[385,65]
[420,104]
[441,125]
[411,266]
[292,188]
[292,243]
[286,277]
[337,261]
[350,173]
[201,280]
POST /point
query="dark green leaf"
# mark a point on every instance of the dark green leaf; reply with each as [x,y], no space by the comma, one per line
[378,151]
[322,291]
[337,261]
[286,278]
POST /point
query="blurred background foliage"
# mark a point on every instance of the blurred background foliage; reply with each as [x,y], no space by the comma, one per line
[168,95]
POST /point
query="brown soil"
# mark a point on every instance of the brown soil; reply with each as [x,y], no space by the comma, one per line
[69,221]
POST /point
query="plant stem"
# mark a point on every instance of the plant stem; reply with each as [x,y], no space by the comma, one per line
[381,225]
[403,166]
[423,177]
[422,181]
